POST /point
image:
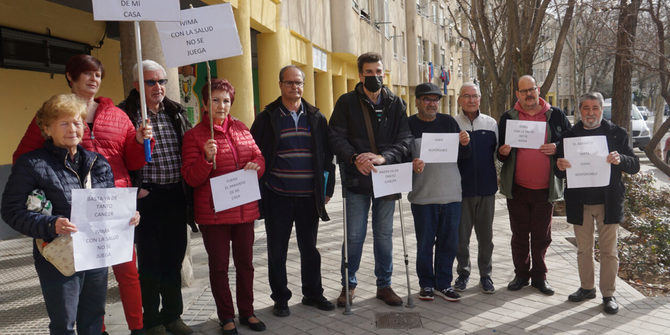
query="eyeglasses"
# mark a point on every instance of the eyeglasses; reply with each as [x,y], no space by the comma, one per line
[470,96]
[428,100]
[528,90]
[294,83]
[152,83]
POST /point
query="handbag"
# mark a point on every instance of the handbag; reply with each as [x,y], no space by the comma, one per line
[59,252]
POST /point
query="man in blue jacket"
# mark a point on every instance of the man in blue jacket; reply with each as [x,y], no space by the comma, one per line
[479,184]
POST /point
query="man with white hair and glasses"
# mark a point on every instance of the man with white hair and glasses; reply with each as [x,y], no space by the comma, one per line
[164,202]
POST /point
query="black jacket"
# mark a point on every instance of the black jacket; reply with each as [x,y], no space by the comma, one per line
[617,140]
[348,135]
[266,134]
[181,125]
[49,170]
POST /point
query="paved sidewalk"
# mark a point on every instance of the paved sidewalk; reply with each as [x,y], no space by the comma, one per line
[526,311]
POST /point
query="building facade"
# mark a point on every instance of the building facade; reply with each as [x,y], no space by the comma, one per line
[416,38]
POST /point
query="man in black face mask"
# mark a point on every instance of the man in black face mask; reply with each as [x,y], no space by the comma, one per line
[369,127]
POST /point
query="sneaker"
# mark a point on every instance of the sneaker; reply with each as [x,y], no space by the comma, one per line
[449,294]
[426,294]
[582,295]
[387,295]
[461,283]
[178,327]
[342,299]
[486,285]
[320,302]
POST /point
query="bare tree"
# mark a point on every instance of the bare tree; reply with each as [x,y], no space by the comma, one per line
[623,62]
[659,11]
[504,38]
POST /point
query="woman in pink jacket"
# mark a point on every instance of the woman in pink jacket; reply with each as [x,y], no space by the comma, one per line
[233,148]
[108,131]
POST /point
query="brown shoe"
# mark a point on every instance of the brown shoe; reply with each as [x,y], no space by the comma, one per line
[178,327]
[342,299]
[388,296]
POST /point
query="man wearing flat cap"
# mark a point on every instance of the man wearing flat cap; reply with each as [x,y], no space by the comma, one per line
[435,197]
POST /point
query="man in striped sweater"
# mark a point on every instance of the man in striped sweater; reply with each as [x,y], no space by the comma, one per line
[299,180]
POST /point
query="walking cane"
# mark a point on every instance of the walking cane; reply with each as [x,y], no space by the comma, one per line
[410,301]
[347,305]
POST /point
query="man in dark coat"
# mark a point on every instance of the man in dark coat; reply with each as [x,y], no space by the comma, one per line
[298,182]
[588,207]
[358,155]
[163,202]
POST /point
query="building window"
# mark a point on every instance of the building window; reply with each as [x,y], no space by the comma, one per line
[29,51]
[419,46]
[434,13]
[426,51]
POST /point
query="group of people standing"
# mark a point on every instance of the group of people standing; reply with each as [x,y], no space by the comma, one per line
[80,141]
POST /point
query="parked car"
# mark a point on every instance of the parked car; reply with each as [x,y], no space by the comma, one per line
[641,134]
[646,113]
[665,151]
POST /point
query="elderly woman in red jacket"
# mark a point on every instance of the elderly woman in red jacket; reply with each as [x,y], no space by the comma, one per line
[108,131]
[232,148]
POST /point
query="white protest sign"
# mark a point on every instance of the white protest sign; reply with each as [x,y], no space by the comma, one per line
[392,179]
[104,235]
[588,159]
[525,134]
[136,10]
[204,33]
[439,147]
[234,189]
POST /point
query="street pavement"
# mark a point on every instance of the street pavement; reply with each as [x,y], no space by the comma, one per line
[22,310]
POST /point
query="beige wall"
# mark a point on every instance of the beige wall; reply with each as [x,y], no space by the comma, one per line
[22,92]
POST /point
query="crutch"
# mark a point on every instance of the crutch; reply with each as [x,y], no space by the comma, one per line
[410,301]
[347,305]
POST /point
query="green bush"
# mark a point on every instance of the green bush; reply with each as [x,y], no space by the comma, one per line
[645,253]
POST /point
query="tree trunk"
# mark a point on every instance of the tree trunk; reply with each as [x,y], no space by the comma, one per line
[623,67]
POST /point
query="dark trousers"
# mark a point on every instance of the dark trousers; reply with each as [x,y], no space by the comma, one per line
[217,239]
[436,226]
[161,244]
[530,215]
[78,299]
[280,213]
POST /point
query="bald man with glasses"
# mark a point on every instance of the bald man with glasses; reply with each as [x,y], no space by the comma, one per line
[528,182]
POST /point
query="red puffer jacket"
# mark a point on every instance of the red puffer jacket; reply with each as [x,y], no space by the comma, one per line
[113,136]
[235,148]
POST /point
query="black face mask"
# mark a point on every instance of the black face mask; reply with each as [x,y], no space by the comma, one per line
[373,83]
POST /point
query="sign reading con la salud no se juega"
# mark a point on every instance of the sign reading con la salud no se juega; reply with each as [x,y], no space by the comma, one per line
[202,34]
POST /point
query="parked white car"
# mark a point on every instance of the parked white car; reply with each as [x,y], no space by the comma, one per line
[646,113]
[641,134]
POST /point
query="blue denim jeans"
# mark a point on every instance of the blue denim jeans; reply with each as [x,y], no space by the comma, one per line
[436,225]
[78,299]
[358,206]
